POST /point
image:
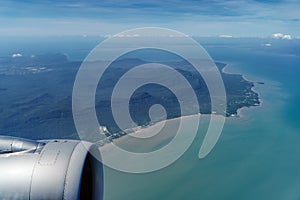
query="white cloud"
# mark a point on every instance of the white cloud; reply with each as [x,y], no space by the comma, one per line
[196,26]
[145,34]
[16,55]
[282,36]
[127,35]
[287,37]
[268,44]
[277,35]
[225,36]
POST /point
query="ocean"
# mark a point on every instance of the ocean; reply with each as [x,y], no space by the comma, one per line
[257,154]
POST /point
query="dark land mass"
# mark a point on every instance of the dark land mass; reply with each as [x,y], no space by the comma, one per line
[36,95]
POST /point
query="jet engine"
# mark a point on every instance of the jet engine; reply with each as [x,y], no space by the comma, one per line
[52,169]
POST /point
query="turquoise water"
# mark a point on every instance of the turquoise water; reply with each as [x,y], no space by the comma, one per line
[257,156]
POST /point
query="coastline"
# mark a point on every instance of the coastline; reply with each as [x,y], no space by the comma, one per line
[240,110]
[143,129]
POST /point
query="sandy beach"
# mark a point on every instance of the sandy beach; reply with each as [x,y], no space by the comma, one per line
[159,132]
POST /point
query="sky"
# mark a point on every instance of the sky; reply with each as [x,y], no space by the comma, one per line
[238,18]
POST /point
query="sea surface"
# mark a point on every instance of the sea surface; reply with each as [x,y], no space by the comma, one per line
[258,154]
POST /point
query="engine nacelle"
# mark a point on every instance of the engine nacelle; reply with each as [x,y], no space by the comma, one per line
[54,169]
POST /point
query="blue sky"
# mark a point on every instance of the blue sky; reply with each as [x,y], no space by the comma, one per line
[194,17]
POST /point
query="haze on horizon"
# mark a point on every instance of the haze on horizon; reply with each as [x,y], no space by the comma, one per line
[249,18]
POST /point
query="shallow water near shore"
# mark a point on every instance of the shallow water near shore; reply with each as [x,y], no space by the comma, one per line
[257,154]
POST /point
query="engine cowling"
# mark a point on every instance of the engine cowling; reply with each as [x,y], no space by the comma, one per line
[54,169]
